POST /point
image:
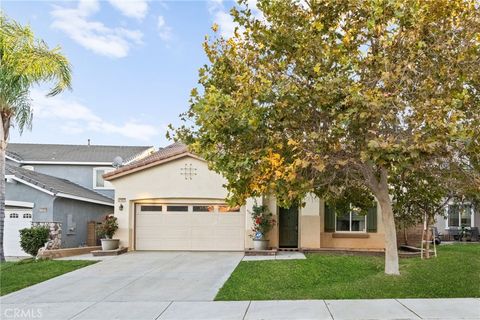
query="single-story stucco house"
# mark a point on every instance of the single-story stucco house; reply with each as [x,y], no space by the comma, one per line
[170,200]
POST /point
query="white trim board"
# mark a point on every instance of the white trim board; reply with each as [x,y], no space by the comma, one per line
[13,203]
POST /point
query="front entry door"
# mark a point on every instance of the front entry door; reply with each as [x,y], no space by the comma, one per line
[288,227]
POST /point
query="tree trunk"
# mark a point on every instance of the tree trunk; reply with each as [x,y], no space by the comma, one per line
[427,236]
[377,181]
[3,146]
[391,250]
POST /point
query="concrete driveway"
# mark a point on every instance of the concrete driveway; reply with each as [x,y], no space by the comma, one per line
[138,277]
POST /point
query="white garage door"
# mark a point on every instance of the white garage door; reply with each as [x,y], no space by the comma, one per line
[15,220]
[189,227]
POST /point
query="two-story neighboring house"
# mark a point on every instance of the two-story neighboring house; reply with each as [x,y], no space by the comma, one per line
[60,183]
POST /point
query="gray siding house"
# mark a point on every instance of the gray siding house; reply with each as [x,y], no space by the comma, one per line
[60,183]
[57,200]
[81,164]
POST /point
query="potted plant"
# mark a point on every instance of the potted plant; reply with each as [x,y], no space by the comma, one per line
[263,222]
[108,228]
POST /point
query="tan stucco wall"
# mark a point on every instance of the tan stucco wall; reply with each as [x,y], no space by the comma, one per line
[309,223]
[164,184]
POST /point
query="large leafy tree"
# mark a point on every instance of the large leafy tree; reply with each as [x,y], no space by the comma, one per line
[24,61]
[328,96]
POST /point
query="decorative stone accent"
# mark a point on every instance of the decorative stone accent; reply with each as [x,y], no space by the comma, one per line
[55,237]
[188,171]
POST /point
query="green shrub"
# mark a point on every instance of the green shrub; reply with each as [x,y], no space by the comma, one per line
[32,239]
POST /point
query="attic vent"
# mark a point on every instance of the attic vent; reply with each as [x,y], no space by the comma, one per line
[31,168]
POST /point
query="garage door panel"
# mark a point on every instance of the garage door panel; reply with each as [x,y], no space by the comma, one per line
[15,220]
[204,219]
[176,232]
[149,220]
[232,219]
[228,232]
[175,244]
[203,232]
[190,231]
[177,219]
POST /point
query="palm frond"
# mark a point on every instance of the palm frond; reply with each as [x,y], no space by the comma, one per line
[25,61]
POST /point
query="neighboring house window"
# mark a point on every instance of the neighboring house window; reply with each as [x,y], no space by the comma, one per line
[27,215]
[98,182]
[14,215]
[459,215]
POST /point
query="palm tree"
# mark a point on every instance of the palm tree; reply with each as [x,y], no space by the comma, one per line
[24,61]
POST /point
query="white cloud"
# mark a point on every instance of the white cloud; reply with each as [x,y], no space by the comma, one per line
[226,23]
[76,118]
[164,31]
[94,35]
[222,18]
[131,8]
[221,15]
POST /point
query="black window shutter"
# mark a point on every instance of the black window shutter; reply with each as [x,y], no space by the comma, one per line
[329,219]
[372,220]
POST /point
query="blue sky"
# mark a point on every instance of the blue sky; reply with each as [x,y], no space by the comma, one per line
[134,64]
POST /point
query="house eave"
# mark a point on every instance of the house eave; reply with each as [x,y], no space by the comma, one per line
[69,196]
[120,174]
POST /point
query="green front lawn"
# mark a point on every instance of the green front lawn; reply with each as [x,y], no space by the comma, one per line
[455,273]
[18,275]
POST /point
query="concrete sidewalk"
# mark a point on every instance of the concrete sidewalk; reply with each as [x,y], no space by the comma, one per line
[383,309]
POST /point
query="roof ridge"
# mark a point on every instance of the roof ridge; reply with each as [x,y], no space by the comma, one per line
[80,145]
